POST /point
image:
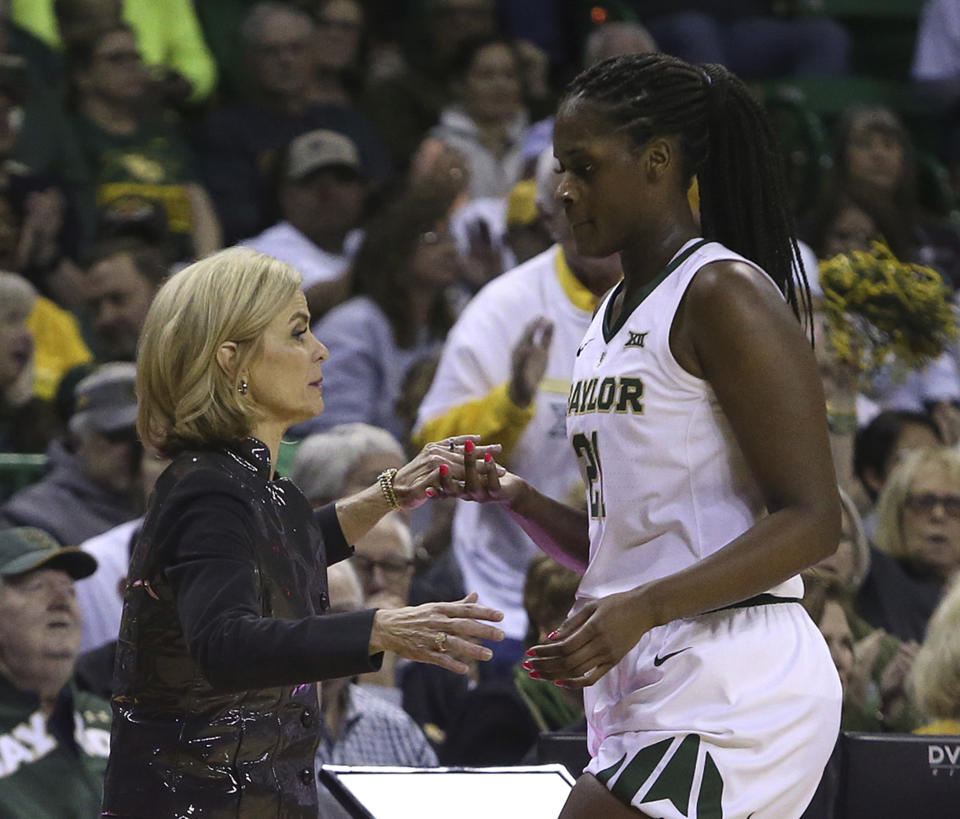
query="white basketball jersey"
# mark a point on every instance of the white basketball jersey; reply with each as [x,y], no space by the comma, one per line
[667,483]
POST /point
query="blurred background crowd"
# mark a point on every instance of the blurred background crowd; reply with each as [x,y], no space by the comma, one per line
[398,155]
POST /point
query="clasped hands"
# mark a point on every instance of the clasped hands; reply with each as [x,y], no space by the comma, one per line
[457,467]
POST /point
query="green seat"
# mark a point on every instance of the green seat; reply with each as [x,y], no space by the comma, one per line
[18,471]
[828,97]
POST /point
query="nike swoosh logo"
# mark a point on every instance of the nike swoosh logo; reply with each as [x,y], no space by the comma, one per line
[658,660]
[582,346]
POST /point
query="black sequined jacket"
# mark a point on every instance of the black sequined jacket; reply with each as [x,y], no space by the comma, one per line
[223,635]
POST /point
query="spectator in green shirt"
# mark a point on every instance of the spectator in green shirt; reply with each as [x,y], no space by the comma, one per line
[130,150]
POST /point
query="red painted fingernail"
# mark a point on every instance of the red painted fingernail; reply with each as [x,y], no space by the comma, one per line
[559,684]
[531,652]
[534,675]
[527,665]
[429,493]
[487,457]
[469,446]
[444,470]
[553,635]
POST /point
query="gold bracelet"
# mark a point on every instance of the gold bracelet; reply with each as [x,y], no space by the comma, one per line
[385,479]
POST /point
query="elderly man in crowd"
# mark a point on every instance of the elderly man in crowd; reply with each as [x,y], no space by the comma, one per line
[54,739]
[320,196]
[384,561]
[238,144]
[342,460]
[331,465]
[92,485]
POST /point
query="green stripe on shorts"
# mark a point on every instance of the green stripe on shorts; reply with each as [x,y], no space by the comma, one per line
[638,770]
[674,783]
[676,780]
[711,791]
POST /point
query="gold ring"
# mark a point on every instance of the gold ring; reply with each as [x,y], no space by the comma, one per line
[440,641]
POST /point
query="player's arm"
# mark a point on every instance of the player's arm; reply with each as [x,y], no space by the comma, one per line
[559,530]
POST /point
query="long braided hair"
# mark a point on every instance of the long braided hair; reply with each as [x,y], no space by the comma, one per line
[726,142]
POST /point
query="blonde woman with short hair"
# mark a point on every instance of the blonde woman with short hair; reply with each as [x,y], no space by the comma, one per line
[918,543]
[224,630]
[919,511]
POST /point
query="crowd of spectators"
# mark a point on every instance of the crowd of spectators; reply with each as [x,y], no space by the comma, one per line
[398,155]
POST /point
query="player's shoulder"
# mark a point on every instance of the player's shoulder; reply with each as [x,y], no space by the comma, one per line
[733,284]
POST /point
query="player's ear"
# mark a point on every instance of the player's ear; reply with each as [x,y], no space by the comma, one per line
[658,158]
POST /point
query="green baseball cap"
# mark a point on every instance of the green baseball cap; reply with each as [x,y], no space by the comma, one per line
[25,548]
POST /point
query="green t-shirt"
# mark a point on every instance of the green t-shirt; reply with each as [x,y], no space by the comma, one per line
[155,164]
[52,768]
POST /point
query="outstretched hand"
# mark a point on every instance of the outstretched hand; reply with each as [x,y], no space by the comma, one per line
[445,634]
[592,641]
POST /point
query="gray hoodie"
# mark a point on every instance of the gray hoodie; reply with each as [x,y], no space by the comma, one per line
[66,503]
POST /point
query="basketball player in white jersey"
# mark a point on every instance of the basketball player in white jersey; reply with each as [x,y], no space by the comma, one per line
[697,414]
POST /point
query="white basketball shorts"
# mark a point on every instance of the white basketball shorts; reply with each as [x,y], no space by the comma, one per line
[728,715]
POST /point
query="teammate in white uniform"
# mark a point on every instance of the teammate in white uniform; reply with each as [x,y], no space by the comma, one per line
[698,416]
[523,327]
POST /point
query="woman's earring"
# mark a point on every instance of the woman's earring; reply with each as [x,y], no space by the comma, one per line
[242,387]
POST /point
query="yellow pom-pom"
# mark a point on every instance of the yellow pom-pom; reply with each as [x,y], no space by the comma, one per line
[883,311]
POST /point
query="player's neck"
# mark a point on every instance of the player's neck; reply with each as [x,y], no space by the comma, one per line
[644,259]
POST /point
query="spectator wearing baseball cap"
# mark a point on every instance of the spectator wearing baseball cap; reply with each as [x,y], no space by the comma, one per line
[238,144]
[55,738]
[92,482]
[320,194]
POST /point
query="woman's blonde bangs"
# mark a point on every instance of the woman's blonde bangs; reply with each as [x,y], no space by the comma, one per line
[186,398]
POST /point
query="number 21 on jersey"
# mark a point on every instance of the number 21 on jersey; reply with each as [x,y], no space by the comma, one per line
[588,453]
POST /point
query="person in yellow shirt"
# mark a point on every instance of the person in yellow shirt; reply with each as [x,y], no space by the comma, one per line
[59,346]
[27,422]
